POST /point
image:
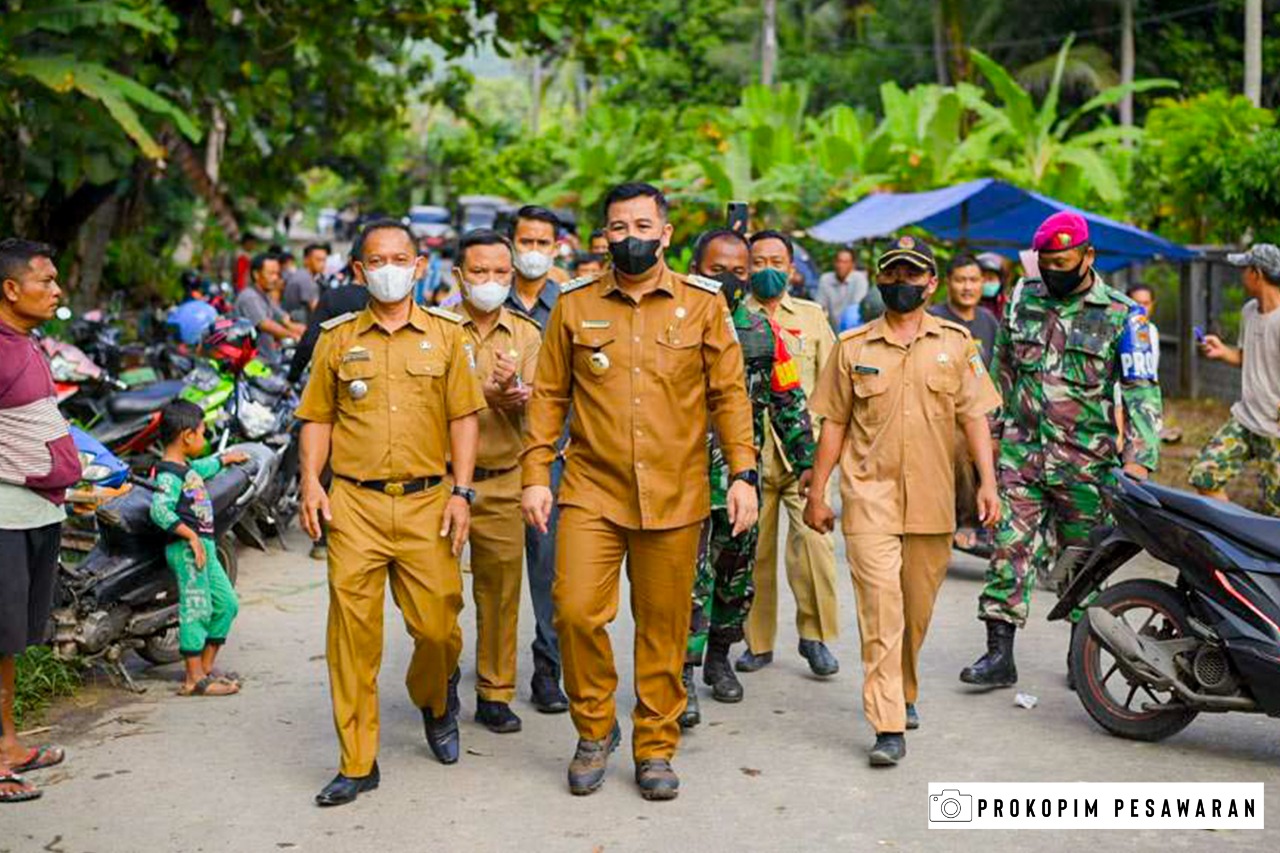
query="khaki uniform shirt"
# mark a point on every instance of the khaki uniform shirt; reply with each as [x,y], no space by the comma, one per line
[642,379]
[390,397]
[501,433]
[810,340]
[902,405]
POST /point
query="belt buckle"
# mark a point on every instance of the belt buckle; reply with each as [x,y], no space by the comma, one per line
[395,490]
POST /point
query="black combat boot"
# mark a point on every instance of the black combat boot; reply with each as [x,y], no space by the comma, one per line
[717,673]
[692,714]
[996,668]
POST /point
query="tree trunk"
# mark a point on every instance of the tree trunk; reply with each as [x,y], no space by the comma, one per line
[84,279]
[958,53]
[189,162]
[940,46]
[769,43]
[1253,51]
[1126,62]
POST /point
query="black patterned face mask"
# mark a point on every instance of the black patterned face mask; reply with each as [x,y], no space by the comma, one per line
[902,298]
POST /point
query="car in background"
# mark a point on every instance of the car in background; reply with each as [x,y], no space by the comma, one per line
[429,221]
[479,211]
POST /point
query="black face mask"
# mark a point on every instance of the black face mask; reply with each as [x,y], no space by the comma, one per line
[733,288]
[634,256]
[902,298]
[1063,283]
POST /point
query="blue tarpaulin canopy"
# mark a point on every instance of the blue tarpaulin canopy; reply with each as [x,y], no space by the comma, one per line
[993,215]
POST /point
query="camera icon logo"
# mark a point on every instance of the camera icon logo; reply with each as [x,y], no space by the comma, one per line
[950,806]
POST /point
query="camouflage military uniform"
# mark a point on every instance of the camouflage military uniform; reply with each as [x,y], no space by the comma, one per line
[1058,362]
[723,587]
[1221,460]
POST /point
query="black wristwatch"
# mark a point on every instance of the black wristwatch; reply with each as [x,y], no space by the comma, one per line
[467,494]
[751,476]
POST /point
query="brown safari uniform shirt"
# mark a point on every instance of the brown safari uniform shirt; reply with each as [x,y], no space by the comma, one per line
[642,378]
[390,397]
[501,433]
[902,405]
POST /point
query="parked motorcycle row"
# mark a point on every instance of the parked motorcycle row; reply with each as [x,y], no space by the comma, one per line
[115,591]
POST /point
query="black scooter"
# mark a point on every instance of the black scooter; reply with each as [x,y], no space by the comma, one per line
[1147,656]
[122,595]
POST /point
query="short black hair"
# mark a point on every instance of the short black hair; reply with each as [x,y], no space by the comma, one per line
[634,189]
[246,239]
[1137,286]
[312,247]
[178,417]
[959,261]
[588,258]
[260,260]
[599,232]
[538,213]
[481,237]
[770,234]
[286,255]
[708,237]
[17,254]
[847,250]
[383,224]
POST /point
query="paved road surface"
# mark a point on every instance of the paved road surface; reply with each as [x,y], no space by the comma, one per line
[784,770]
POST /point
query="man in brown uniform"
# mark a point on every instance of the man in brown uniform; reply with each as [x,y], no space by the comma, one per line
[810,556]
[892,397]
[644,356]
[390,392]
[501,348]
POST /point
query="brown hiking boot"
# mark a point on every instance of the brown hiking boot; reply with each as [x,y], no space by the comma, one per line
[657,780]
[587,769]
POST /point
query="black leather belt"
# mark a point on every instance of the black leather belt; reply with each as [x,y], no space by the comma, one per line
[487,473]
[396,488]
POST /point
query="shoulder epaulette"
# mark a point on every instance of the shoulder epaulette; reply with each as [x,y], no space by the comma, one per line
[849,334]
[521,315]
[444,314]
[710,285]
[953,326]
[579,282]
[335,322]
[807,303]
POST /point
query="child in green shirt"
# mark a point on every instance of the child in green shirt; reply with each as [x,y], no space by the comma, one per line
[181,506]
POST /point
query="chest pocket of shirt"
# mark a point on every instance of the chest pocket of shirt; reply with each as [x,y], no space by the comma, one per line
[871,403]
[943,385]
[681,360]
[357,384]
[593,357]
[424,377]
[1028,353]
[1084,361]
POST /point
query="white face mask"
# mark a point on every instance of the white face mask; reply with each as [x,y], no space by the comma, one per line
[534,264]
[488,296]
[389,283]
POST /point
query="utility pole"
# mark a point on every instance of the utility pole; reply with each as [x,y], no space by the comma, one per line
[1126,61]
[940,46]
[769,43]
[1253,51]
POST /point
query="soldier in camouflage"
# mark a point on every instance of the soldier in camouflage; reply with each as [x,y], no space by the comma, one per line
[1066,340]
[723,588]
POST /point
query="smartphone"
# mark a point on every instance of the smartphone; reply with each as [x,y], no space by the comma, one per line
[736,216]
[1199,333]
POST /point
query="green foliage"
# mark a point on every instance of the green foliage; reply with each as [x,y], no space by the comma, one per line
[1206,171]
[42,677]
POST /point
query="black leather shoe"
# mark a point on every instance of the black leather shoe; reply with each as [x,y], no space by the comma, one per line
[692,714]
[442,736]
[455,704]
[497,717]
[718,674]
[657,780]
[345,789]
[913,717]
[590,761]
[547,697]
[889,749]
[749,661]
[996,668]
[820,659]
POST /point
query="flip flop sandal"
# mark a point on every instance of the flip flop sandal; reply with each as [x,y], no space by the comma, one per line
[202,686]
[226,676]
[40,758]
[20,796]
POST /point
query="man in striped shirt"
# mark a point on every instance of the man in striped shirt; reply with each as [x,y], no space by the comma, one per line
[38,460]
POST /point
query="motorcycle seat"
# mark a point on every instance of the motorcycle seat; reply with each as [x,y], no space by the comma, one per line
[1260,532]
[131,512]
[144,401]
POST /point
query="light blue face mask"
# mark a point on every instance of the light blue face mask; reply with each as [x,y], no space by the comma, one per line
[768,283]
[990,289]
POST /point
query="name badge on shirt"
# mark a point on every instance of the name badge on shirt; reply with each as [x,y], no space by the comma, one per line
[866,370]
[356,354]
[596,324]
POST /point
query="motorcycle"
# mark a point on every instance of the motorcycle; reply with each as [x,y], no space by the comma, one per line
[122,595]
[1147,656]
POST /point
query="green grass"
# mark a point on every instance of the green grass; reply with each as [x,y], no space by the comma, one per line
[42,678]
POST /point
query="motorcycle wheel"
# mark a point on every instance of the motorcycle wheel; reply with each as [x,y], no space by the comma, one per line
[160,649]
[1153,609]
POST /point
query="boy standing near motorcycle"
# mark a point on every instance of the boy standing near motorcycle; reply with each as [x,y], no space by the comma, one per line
[181,506]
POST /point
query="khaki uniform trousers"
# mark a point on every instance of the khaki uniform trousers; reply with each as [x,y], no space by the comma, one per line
[497,565]
[810,559]
[374,537]
[660,566]
[896,580]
